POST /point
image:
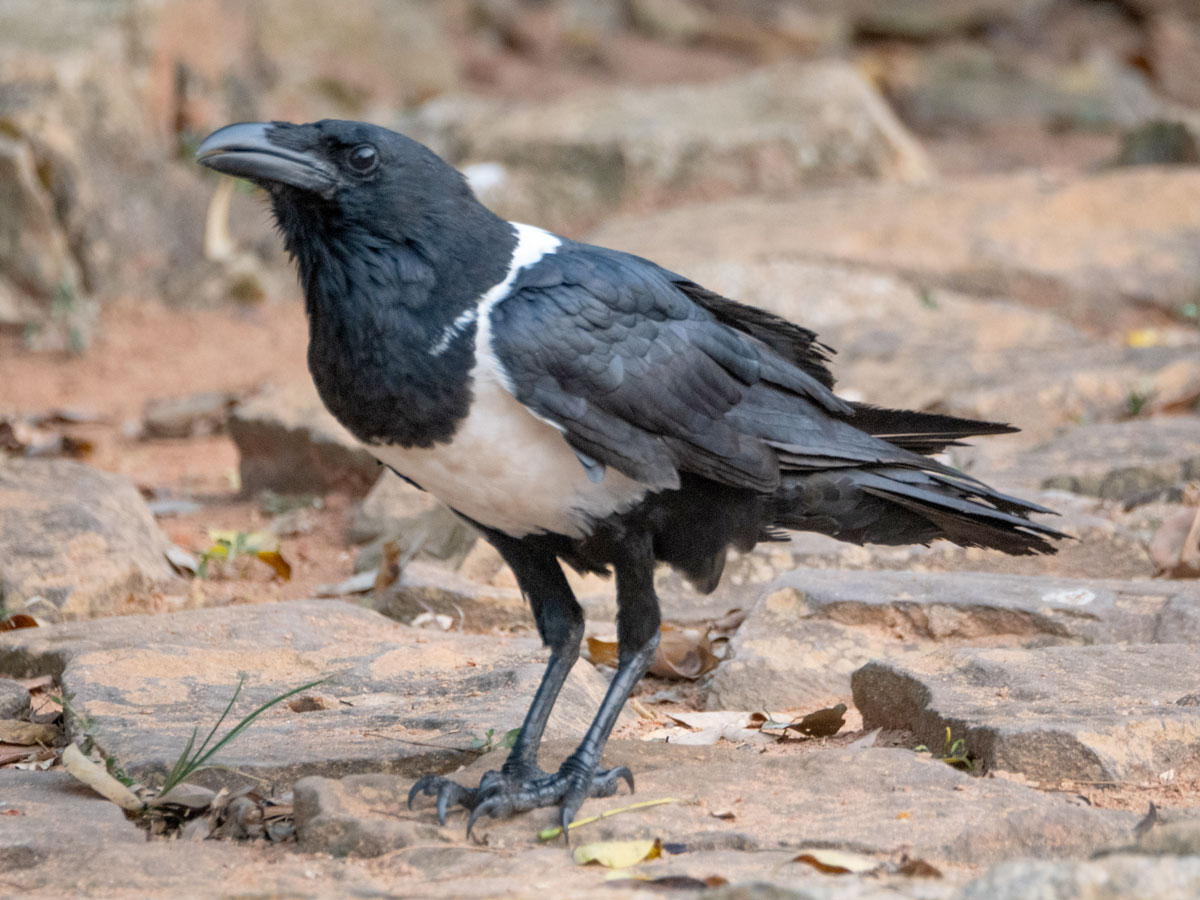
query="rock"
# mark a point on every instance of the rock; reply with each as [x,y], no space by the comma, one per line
[973,85]
[42,281]
[1024,236]
[923,20]
[1175,546]
[1131,462]
[409,701]
[343,816]
[183,417]
[813,629]
[81,539]
[1172,839]
[42,813]
[1104,713]
[919,806]
[472,607]
[1174,49]
[582,157]
[1112,878]
[1157,143]
[390,507]
[289,442]
[14,700]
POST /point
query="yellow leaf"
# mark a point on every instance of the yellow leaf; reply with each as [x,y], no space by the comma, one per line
[99,780]
[602,652]
[617,854]
[273,559]
[1144,337]
[837,862]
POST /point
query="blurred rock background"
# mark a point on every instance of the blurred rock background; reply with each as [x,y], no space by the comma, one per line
[988,207]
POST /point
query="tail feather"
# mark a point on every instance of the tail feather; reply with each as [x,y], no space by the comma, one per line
[920,432]
[895,505]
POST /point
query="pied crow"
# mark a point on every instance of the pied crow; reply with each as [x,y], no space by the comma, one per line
[585,406]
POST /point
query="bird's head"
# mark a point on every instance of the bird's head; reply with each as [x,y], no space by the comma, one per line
[339,175]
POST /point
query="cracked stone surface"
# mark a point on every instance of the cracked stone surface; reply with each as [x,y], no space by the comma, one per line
[1100,714]
[396,698]
[808,635]
[914,805]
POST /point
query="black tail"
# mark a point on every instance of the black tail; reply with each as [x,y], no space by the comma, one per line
[920,432]
[895,505]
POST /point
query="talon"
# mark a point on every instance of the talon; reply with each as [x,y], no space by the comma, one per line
[449,792]
[624,774]
[424,785]
[565,817]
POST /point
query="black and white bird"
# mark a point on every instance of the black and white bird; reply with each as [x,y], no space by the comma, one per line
[585,406]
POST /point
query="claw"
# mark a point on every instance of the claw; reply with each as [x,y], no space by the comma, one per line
[623,773]
[423,785]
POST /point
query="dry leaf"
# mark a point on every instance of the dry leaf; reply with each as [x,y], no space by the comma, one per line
[867,740]
[15,753]
[917,868]
[275,560]
[99,780]
[14,731]
[18,620]
[602,651]
[837,862]
[1175,547]
[191,796]
[617,854]
[40,683]
[683,653]
[822,723]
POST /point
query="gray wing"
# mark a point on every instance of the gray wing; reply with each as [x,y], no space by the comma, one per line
[637,376]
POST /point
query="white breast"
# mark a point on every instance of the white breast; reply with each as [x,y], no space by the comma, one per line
[504,467]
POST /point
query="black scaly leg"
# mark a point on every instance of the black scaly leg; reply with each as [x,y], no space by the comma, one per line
[520,784]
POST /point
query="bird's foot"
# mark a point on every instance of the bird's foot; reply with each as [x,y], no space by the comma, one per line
[519,788]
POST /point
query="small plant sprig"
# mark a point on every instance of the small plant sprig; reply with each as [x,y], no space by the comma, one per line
[189,763]
[488,742]
[955,753]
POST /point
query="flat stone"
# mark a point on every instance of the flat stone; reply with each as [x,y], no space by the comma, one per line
[289,442]
[1111,878]
[1106,713]
[14,700]
[784,800]
[1129,461]
[588,154]
[814,628]
[182,417]
[1021,236]
[390,507]
[408,700]
[472,607]
[79,538]
[41,813]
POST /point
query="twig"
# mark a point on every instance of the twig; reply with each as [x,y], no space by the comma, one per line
[549,834]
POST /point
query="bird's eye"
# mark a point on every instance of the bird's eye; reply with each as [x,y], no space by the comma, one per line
[363,159]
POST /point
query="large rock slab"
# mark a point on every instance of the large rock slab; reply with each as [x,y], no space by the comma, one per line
[396,699]
[1107,713]
[1128,461]
[573,160]
[81,539]
[1097,247]
[14,700]
[1111,878]
[41,813]
[814,628]
[289,442]
[781,800]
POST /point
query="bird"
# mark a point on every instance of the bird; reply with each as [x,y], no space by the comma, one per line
[583,406]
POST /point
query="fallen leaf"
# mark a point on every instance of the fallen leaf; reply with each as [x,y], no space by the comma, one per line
[617,854]
[917,868]
[99,780]
[1175,547]
[867,740]
[18,620]
[278,564]
[191,796]
[355,584]
[11,812]
[683,653]
[822,723]
[15,731]
[40,683]
[602,652]
[665,882]
[15,753]
[726,814]
[837,862]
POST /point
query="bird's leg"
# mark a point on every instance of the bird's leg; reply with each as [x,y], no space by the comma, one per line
[520,785]
[638,624]
[560,623]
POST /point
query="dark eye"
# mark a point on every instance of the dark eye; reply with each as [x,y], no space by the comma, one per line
[363,159]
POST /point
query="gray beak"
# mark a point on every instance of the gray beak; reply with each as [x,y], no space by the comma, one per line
[246,150]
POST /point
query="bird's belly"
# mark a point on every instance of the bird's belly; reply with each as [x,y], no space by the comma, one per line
[509,470]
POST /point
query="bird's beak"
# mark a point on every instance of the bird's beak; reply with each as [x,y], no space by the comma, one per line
[246,150]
